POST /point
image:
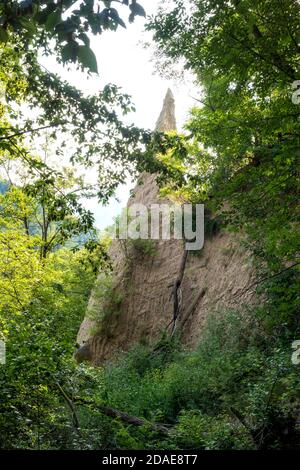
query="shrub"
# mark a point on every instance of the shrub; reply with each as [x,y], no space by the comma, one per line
[106,303]
[143,247]
[230,393]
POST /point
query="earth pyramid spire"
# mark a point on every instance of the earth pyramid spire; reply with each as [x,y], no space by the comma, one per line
[167,121]
[146,191]
[137,307]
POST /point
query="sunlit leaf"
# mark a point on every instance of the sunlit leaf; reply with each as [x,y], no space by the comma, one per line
[87,58]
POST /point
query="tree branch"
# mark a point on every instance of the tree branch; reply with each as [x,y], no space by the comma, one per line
[71,406]
[125,417]
[260,281]
[17,134]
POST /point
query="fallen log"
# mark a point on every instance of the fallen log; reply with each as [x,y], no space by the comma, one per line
[125,417]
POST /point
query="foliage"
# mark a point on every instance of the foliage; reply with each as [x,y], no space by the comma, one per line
[198,431]
[38,23]
[20,270]
[247,125]
[144,247]
[134,249]
[105,307]
[40,338]
[48,208]
[77,122]
[239,388]
[44,293]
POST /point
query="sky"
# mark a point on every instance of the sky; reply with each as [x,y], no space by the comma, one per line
[124,61]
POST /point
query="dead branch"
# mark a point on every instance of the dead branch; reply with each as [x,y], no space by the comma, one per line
[176,291]
[193,307]
[71,406]
[125,417]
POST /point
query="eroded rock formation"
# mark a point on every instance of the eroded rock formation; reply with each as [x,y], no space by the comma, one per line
[214,278]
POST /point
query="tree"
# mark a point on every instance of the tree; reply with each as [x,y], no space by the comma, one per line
[91,123]
[38,22]
[246,123]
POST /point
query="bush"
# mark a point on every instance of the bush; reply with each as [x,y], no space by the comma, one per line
[143,247]
[198,431]
[228,394]
[106,304]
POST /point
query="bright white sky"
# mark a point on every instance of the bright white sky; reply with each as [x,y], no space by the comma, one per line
[122,60]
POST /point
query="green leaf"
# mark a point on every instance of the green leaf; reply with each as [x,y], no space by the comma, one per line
[3,35]
[52,20]
[68,26]
[69,52]
[27,24]
[104,18]
[137,9]
[87,58]
[115,16]
[84,38]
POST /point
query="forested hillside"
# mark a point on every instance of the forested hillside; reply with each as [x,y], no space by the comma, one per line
[238,155]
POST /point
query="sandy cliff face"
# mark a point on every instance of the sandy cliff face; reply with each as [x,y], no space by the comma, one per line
[215,278]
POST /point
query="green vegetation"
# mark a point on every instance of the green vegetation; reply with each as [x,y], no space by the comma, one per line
[240,156]
[142,248]
[37,22]
[106,304]
[238,390]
